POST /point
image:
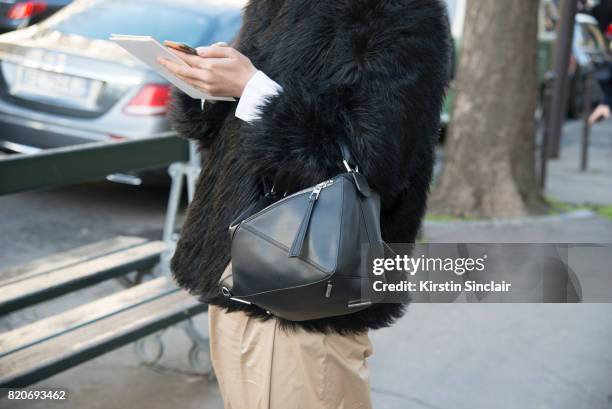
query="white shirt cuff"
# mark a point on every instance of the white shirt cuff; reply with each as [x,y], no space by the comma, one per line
[255,92]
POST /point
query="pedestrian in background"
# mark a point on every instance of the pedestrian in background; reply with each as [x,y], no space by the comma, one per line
[603,14]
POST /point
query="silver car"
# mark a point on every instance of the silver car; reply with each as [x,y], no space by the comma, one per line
[63,83]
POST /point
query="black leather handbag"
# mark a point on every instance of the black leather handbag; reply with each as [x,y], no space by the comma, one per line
[305,256]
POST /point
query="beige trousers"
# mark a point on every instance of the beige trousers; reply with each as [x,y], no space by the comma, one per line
[260,366]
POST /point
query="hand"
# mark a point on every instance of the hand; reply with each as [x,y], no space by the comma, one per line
[601,112]
[218,70]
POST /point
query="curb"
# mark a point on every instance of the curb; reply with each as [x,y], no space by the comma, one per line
[579,214]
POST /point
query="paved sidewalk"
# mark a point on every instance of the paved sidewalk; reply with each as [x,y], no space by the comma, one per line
[594,186]
[466,356]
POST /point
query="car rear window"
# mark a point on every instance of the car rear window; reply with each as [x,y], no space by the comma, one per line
[162,20]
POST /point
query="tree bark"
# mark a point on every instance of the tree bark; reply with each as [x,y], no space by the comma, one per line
[489,165]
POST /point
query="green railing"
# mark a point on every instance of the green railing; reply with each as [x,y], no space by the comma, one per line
[89,162]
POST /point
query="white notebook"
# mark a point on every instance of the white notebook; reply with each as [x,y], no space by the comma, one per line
[147,49]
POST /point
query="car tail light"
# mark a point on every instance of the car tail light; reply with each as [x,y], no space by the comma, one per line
[152,99]
[117,138]
[609,31]
[26,9]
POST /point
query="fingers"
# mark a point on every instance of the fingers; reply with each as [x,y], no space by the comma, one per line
[208,87]
[215,51]
[181,70]
[194,77]
[204,86]
[193,60]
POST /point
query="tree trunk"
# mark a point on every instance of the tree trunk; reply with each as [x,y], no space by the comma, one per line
[489,165]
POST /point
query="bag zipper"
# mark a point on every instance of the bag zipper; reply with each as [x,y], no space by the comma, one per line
[298,241]
[291,196]
[316,191]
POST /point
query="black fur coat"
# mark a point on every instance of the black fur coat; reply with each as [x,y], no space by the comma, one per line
[371,73]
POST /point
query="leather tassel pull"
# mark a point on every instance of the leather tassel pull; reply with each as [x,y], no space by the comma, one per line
[298,241]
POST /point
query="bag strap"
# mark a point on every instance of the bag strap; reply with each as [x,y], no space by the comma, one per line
[347,158]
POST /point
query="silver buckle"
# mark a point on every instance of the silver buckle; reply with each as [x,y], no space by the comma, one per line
[348,167]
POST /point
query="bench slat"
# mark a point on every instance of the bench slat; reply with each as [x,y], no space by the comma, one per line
[52,284]
[50,327]
[68,258]
[48,358]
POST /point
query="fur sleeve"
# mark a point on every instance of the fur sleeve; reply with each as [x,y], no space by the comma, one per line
[381,95]
[189,120]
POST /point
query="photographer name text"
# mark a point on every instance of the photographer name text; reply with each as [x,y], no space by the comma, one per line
[448,286]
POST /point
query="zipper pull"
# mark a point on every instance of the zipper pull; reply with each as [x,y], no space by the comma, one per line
[315,192]
[298,241]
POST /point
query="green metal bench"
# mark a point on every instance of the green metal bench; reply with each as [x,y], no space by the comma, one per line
[36,351]
[66,272]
